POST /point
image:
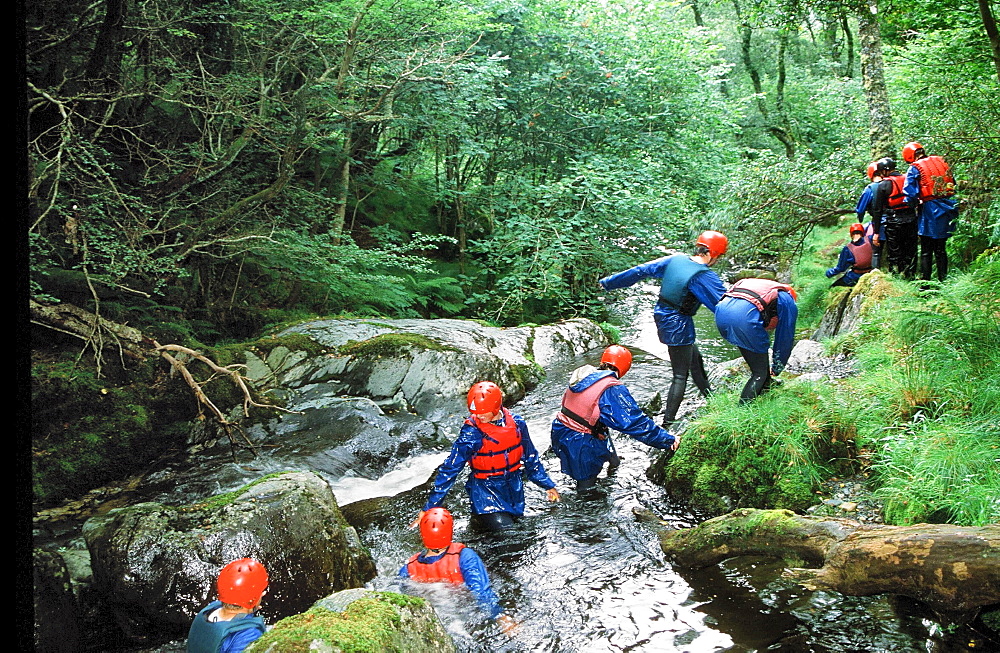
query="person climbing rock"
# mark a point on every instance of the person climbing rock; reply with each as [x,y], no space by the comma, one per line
[855,258]
[229,625]
[929,187]
[686,283]
[446,561]
[595,402]
[892,216]
[747,312]
[496,446]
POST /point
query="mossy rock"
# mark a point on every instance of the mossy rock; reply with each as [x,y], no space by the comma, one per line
[360,621]
[391,344]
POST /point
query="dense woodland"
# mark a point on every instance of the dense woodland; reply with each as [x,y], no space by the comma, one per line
[203,171]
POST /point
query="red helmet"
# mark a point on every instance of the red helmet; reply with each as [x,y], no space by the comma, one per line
[436,528]
[485,397]
[871,170]
[910,151]
[715,242]
[857,228]
[618,356]
[242,582]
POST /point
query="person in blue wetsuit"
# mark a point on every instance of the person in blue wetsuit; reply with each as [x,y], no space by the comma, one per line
[928,188]
[229,624]
[446,561]
[749,310]
[497,448]
[686,283]
[855,259]
[864,207]
[595,402]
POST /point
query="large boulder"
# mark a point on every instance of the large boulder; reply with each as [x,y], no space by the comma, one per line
[360,620]
[57,624]
[848,306]
[154,566]
[425,366]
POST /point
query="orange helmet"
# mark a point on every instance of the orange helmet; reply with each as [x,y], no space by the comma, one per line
[871,170]
[857,228]
[485,397]
[716,243]
[242,582]
[436,528]
[618,356]
[910,151]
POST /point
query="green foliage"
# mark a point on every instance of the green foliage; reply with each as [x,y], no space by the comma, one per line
[773,452]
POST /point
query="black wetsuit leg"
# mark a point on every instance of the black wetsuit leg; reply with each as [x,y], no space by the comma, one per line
[680,363]
[930,249]
[760,375]
[698,374]
[493,521]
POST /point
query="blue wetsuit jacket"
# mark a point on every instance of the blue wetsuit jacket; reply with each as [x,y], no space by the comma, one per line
[673,327]
[501,493]
[223,636]
[742,324]
[581,454]
[473,574]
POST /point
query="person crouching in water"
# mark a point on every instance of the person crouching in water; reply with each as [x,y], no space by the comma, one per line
[496,446]
[747,313]
[855,258]
[595,401]
[229,624]
[446,561]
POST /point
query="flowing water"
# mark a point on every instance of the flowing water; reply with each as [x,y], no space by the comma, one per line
[587,573]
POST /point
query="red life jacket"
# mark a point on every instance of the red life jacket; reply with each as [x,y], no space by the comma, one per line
[580,411]
[444,569]
[501,450]
[897,198]
[862,251]
[762,293]
[936,181]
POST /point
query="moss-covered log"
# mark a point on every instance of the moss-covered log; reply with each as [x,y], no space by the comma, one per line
[953,569]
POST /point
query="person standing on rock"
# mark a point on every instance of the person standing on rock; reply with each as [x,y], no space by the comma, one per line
[446,561]
[929,187]
[496,446]
[686,283]
[745,316]
[596,401]
[855,259]
[893,217]
[229,624]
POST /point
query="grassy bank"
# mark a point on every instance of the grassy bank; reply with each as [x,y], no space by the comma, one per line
[921,420]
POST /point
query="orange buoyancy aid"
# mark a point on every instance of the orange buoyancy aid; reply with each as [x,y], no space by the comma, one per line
[445,569]
[936,181]
[580,410]
[897,198]
[862,251]
[501,450]
[762,293]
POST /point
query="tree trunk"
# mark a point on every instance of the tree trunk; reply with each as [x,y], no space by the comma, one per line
[873,81]
[953,569]
[990,24]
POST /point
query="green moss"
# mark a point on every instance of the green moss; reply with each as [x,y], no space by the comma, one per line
[220,500]
[527,376]
[368,625]
[611,332]
[391,344]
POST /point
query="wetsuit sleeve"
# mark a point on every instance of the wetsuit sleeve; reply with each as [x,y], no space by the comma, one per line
[911,187]
[863,202]
[239,640]
[530,459]
[846,262]
[880,202]
[636,274]
[784,333]
[404,572]
[476,579]
[620,412]
[469,440]
[707,288]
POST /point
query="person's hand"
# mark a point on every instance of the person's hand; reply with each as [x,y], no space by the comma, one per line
[874,239]
[552,495]
[677,443]
[416,522]
[507,624]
